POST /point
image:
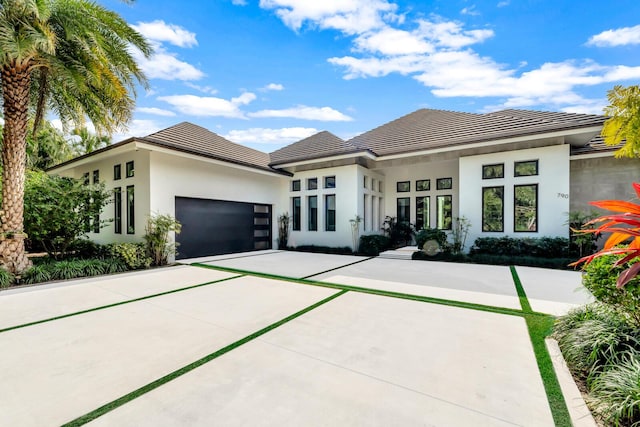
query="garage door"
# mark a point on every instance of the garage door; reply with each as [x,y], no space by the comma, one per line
[215,227]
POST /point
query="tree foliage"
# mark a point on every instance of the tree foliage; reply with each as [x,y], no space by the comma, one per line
[58,210]
[159,245]
[624,122]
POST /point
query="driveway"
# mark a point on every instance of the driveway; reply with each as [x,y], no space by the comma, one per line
[304,339]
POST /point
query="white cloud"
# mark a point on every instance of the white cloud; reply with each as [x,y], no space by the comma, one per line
[155,111]
[270,136]
[450,34]
[348,16]
[204,89]
[303,112]
[503,3]
[471,11]
[619,37]
[138,128]
[209,106]
[160,31]
[239,2]
[164,65]
[391,41]
[273,86]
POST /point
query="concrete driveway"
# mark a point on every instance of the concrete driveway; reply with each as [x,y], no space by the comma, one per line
[358,342]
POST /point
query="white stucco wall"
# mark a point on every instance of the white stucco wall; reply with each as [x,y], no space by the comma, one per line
[371,200]
[420,171]
[553,190]
[347,205]
[172,176]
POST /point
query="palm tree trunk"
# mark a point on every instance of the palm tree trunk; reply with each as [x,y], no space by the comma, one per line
[15,93]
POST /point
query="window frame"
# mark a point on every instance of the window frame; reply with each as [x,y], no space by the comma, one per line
[516,164]
[312,214]
[438,199]
[315,183]
[420,183]
[296,185]
[117,210]
[131,209]
[327,181]
[515,210]
[130,169]
[440,181]
[400,184]
[484,167]
[117,172]
[420,224]
[407,207]
[501,230]
[328,226]
[296,213]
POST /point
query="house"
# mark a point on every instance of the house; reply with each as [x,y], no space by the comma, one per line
[511,172]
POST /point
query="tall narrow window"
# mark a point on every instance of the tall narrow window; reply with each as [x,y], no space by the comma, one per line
[85,178]
[312,202]
[330,212]
[129,169]
[117,213]
[493,208]
[96,176]
[365,209]
[295,208]
[422,212]
[404,210]
[525,208]
[131,220]
[444,208]
[312,184]
[117,172]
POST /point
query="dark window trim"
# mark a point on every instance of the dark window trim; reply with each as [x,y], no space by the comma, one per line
[309,216]
[537,209]
[131,211]
[428,181]
[419,224]
[295,220]
[482,211]
[398,208]
[309,181]
[439,180]
[85,178]
[326,181]
[492,165]
[293,185]
[117,172]
[515,167]
[96,176]
[399,183]
[438,198]
[130,172]
[117,207]
[327,226]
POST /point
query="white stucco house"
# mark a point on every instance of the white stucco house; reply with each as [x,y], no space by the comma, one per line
[511,172]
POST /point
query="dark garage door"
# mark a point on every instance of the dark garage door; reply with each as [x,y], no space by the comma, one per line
[214,227]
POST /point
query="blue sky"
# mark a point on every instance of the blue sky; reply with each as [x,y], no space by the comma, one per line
[265,73]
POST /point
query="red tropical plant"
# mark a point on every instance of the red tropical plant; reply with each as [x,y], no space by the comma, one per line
[624,225]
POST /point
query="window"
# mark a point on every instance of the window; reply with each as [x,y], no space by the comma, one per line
[403,186]
[373,184]
[117,172]
[295,185]
[96,177]
[129,169]
[528,168]
[330,212]
[444,183]
[444,208]
[329,182]
[403,210]
[295,208]
[525,202]
[365,204]
[313,213]
[493,208]
[85,178]
[312,184]
[117,213]
[422,212]
[131,220]
[380,186]
[493,171]
[423,185]
[364,181]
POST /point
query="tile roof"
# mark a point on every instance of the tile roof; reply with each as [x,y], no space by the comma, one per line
[195,139]
[431,129]
[322,144]
[596,145]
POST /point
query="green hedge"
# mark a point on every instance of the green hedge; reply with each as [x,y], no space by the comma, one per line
[373,244]
[555,263]
[538,247]
[342,250]
[71,269]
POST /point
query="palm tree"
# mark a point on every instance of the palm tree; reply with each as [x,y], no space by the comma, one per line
[87,142]
[75,56]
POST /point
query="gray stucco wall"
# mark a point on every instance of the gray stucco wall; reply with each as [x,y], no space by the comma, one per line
[602,178]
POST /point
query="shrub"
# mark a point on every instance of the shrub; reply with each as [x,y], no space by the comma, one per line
[600,279]
[399,233]
[431,234]
[37,274]
[283,230]
[159,248]
[542,247]
[6,278]
[341,250]
[615,394]
[84,248]
[70,269]
[373,244]
[132,254]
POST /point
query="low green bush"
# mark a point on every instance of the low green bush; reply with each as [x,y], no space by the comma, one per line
[528,261]
[539,247]
[71,269]
[132,254]
[431,234]
[600,279]
[615,394]
[87,249]
[6,278]
[341,250]
[442,256]
[373,244]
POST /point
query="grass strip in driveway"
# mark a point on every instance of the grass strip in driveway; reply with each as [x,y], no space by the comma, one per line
[102,307]
[179,372]
[391,294]
[539,328]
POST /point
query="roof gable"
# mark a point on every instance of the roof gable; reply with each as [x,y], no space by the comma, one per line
[322,144]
